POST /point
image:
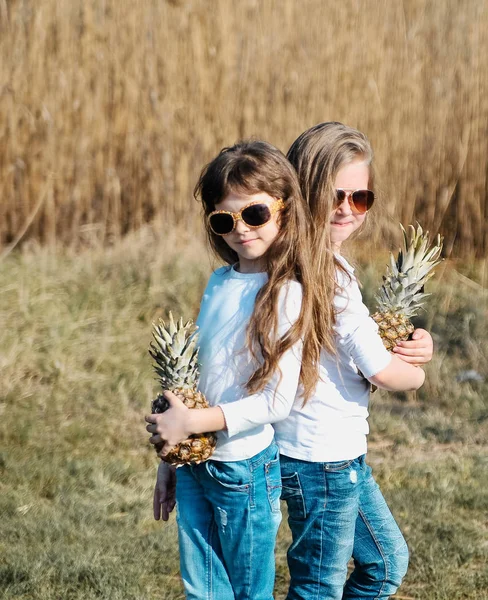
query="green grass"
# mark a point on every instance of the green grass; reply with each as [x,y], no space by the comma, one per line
[76,472]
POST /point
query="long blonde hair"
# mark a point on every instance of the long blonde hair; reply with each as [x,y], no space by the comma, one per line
[250,168]
[318,154]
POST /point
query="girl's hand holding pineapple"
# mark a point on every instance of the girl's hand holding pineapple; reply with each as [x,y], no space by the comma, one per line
[175,353]
[178,423]
[418,351]
[164,435]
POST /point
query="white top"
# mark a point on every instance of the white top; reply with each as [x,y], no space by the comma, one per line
[225,310]
[333,425]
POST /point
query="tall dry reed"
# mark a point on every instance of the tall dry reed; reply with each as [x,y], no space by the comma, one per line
[109,108]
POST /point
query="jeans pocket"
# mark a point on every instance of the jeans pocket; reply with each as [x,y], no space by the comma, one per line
[232,475]
[292,494]
[333,467]
[272,475]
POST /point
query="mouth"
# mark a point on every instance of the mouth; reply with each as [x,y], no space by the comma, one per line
[338,224]
[246,242]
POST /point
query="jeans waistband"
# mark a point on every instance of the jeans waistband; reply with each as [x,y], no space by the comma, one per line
[360,459]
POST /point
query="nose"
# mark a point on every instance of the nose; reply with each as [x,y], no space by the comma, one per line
[345,207]
[241,226]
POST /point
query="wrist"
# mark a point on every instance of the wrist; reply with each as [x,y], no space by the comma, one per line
[192,421]
[205,420]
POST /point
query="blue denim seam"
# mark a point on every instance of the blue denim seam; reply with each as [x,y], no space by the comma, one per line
[254,463]
[252,491]
[244,488]
[380,550]
[299,491]
[208,559]
[251,554]
[270,487]
[322,534]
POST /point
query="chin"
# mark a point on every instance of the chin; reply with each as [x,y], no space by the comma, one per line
[252,256]
[338,239]
[250,252]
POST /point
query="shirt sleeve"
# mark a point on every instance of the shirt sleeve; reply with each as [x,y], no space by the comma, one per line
[356,332]
[275,401]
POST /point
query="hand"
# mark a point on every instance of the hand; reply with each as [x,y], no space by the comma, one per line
[164,491]
[171,427]
[417,351]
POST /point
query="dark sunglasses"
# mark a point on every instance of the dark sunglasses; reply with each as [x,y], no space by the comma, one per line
[360,201]
[254,215]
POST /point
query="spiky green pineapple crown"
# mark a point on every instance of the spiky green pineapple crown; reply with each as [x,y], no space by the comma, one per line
[175,352]
[401,291]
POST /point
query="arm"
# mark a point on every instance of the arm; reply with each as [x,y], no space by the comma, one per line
[179,422]
[358,337]
[385,370]
[398,376]
[414,352]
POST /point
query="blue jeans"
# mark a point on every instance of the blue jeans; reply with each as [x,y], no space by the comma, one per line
[336,510]
[228,515]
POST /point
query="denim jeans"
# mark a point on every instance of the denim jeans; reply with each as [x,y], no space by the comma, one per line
[228,514]
[336,510]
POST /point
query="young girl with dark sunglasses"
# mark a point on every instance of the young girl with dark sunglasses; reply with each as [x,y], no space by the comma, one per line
[258,339]
[335,507]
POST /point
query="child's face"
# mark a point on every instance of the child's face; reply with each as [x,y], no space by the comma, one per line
[250,244]
[344,220]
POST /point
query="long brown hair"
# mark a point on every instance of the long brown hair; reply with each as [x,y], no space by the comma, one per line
[252,167]
[318,154]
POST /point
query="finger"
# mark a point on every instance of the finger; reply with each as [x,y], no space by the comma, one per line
[166,449]
[151,418]
[170,502]
[408,351]
[419,333]
[153,428]
[172,399]
[155,439]
[156,504]
[412,344]
[166,509]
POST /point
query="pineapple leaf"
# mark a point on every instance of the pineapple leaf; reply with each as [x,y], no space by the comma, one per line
[405,278]
[172,326]
[175,353]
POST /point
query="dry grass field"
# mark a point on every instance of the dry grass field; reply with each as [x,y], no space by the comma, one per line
[77,472]
[108,111]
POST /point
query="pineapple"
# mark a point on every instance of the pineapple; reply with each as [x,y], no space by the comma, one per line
[175,352]
[401,294]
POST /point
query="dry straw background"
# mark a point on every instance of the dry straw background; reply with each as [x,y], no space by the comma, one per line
[109,108]
[108,111]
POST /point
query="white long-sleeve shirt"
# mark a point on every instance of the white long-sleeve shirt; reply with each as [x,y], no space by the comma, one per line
[332,426]
[226,363]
